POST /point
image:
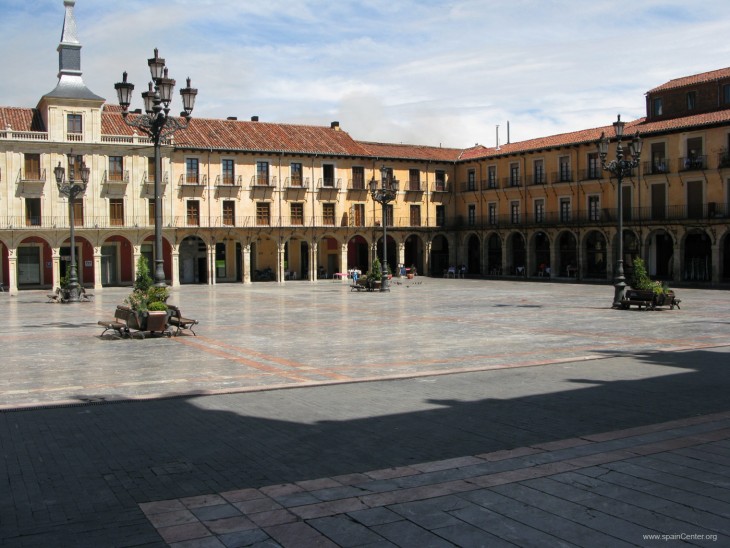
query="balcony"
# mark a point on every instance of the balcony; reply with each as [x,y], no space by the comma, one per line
[591,173]
[115,178]
[329,183]
[31,182]
[563,176]
[415,186]
[512,181]
[538,178]
[262,182]
[229,181]
[468,186]
[357,185]
[193,180]
[440,186]
[692,163]
[490,184]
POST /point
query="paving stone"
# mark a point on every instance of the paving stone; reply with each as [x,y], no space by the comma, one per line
[345,531]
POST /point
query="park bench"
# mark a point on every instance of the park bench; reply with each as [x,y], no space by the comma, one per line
[648,300]
[56,296]
[179,322]
[120,323]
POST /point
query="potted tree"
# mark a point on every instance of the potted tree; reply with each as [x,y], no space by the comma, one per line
[147,299]
[643,288]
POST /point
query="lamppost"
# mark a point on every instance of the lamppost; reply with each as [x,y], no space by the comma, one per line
[72,188]
[157,124]
[620,168]
[384,195]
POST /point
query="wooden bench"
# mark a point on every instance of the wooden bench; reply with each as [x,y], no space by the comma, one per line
[648,300]
[56,296]
[120,323]
[179,322]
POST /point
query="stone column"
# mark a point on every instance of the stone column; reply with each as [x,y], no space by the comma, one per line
[13,271]
[281,253]
[344,267]
[55,267]
[246,263]
[136,254]
[97,268]
[210,262]
[401,256]
[313,261]
[175,267]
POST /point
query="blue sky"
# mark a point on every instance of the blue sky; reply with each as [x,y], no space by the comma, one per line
[413,71]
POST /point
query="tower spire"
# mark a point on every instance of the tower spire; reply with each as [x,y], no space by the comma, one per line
[70,83]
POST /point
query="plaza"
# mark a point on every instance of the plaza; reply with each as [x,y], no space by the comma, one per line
[447,412]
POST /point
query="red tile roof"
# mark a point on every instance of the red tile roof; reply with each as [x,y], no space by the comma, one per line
[21,119]
[702,78]
[411,152]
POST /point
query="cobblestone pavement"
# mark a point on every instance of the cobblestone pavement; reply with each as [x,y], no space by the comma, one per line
[256,432]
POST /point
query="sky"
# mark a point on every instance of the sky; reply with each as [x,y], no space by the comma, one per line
[427,72]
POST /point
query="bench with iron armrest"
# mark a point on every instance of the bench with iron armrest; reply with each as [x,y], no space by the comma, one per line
[83,295]
[56,296]
[179,322]
[120,323]
[648,300]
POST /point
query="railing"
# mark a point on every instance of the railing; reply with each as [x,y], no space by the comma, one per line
[590,173]
[329,182]
[538,178]
[75,137]
[119,178]
[723,160]
[149,179]
[32,177]
[512,181]
[356,184]
[564,175]
[656,167]
[692,163]
[265,182]
[296,182]
[468,186]
[23,135]
[415,186]
[440,186]
[193,180]
[490,184]
[228,180]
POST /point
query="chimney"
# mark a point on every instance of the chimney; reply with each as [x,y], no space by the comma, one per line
[335,125]
[254,118]
[232,118]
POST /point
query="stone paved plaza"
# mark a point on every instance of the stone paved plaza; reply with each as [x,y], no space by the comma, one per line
[494,413]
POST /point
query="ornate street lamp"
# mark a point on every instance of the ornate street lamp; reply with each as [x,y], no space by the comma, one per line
[620,168]
[384,195]
[158,125]
[71,189]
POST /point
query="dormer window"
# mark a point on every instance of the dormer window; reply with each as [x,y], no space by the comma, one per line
[691,100]
[74,123]
[656,106]
[726,94]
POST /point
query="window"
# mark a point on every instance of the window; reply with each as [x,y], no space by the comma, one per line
[32,167]
[389,215]
[492,213]
[74,123]
[658,158]
[262,173]
[471,214]
[415,217]
[594,208]
[564,166]
[492,176]
[694,158]
[151,169]
[358,178]
[440,215]
[73,161]
[514,174]
[116,211]
[414,179]
[151,211]
[539,172]
[116,168]
[192,171]
[328,214]
[358,214]
[471,180]
[691,100]
[193,213]
[656,106]
[32,212]
[514,212]
[328,175]
[565,209]
[262,214]
[78,212]
[295,170]
[440,179]
[540,210]
[594,166]
[228,170]
[726,94]
[229,213]
[297,213]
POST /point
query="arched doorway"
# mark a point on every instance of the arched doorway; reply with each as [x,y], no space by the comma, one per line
[494,254]
[473,248]
[567,255]
[116,261]
[392,253]
[596,258]
[697,266]
[541,244]
[357,254]
[413,252]
[193,261]
[517,254]
[439,255]
[661,255]
[34,263]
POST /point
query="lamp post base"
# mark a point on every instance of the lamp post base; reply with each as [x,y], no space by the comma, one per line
[619,293]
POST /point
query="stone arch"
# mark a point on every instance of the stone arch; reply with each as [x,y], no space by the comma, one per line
[516,253]
[440,255]
[595,255]
[494,254]
[696,256]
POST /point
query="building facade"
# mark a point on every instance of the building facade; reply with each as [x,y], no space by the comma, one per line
[250,200]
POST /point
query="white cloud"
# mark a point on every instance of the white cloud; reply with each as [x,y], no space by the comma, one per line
[425,72]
